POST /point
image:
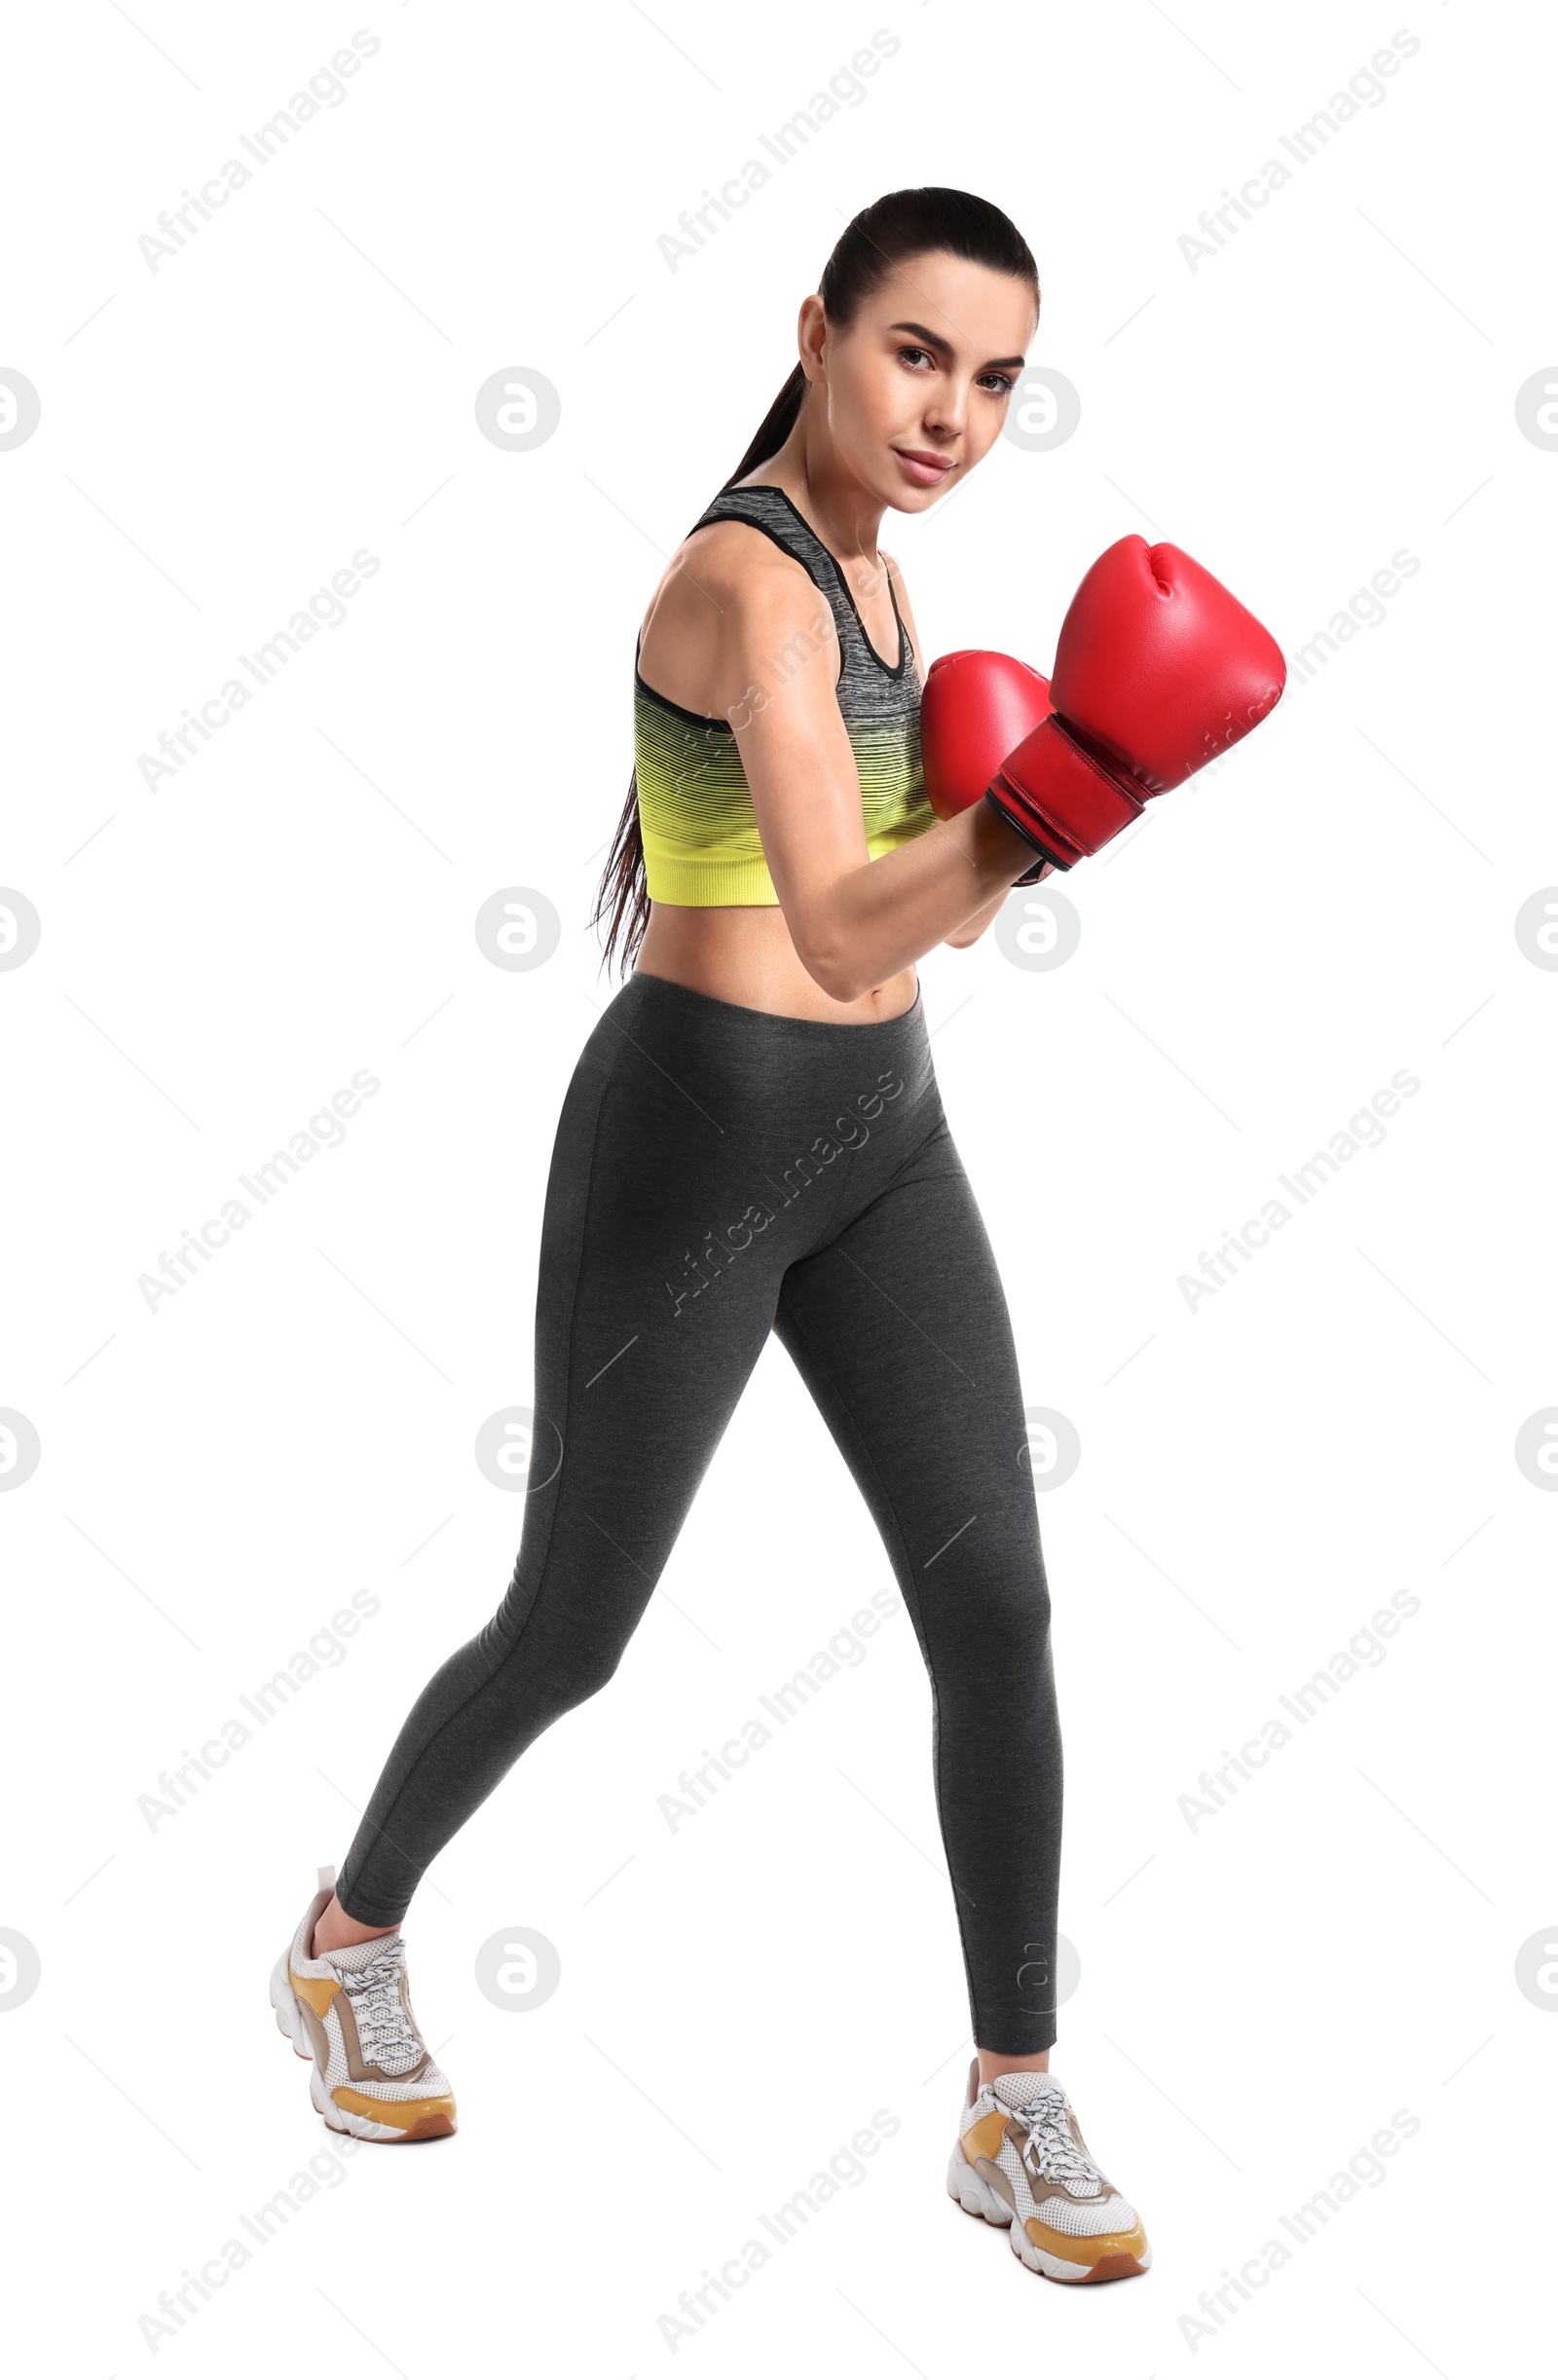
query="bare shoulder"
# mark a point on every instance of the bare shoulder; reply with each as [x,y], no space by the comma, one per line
[729,596]
[746,571]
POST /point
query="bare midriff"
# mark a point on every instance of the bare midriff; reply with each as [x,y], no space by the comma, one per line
[746,956]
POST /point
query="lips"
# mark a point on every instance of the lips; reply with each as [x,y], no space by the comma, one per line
[925,469]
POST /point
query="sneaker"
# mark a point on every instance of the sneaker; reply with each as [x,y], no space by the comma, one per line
[349,2012]
[1020,2160]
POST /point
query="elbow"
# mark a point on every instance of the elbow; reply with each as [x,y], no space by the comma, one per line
[832,942]
[835,974]
[832,967]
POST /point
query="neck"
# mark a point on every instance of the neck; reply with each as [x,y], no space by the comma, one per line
[845,515]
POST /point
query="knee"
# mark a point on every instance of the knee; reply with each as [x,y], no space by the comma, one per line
[552,1673]
[1007,1628]
[589,1673]
[1025,1627]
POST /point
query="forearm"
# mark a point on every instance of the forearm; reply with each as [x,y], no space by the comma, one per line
[869,924]
[972,928]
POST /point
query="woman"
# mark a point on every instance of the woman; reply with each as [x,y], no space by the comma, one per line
[754,1140]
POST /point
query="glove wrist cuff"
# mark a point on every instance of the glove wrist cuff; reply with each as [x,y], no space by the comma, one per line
[1060,798]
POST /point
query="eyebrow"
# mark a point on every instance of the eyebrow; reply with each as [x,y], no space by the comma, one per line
[943,346]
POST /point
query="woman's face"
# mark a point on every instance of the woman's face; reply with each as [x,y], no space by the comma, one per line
[917,388]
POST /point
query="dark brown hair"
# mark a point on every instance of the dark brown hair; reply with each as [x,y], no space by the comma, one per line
[903,224]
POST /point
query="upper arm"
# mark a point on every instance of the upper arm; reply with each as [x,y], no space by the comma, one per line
[780,664]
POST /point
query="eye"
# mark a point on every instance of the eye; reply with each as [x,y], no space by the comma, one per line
[908,354]
[999,384]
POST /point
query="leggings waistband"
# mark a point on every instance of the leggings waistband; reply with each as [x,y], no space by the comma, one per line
[751,1073]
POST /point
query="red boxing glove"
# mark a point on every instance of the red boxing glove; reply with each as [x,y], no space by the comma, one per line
[974,708]
[1158,669]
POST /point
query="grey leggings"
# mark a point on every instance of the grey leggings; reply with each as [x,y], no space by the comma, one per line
[720,1174]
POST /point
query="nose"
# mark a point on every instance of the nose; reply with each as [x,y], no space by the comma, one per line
[947,409]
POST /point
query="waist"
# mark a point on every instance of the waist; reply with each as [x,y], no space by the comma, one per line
[746,956]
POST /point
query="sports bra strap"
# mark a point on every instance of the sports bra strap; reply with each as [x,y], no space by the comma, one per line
[862,670]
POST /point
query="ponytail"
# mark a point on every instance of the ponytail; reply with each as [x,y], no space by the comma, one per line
[623,891]
[777,424]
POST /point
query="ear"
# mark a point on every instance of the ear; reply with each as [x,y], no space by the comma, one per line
[811,333]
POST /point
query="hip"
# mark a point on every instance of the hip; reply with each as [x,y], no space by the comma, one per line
[688,1101]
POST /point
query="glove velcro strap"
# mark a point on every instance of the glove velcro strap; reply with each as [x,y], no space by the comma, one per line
[1028,830]
[1060,798]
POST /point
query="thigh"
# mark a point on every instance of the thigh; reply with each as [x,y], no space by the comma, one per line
[900,1329]
[662,1252]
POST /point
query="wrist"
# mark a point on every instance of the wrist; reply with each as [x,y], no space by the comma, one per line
[1000,851]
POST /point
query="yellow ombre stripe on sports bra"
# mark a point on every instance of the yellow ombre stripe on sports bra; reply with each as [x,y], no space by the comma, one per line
[701,844]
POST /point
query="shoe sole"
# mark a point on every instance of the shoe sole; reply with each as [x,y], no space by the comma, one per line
[290,2022]
[976,2197]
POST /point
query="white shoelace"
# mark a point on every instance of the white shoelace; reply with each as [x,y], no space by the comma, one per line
[384,2032]
[1050,2152]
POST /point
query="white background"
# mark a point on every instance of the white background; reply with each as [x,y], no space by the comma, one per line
[1260,1994]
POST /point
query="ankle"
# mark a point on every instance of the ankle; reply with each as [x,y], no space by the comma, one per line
[1011,2061]
[334,1930]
